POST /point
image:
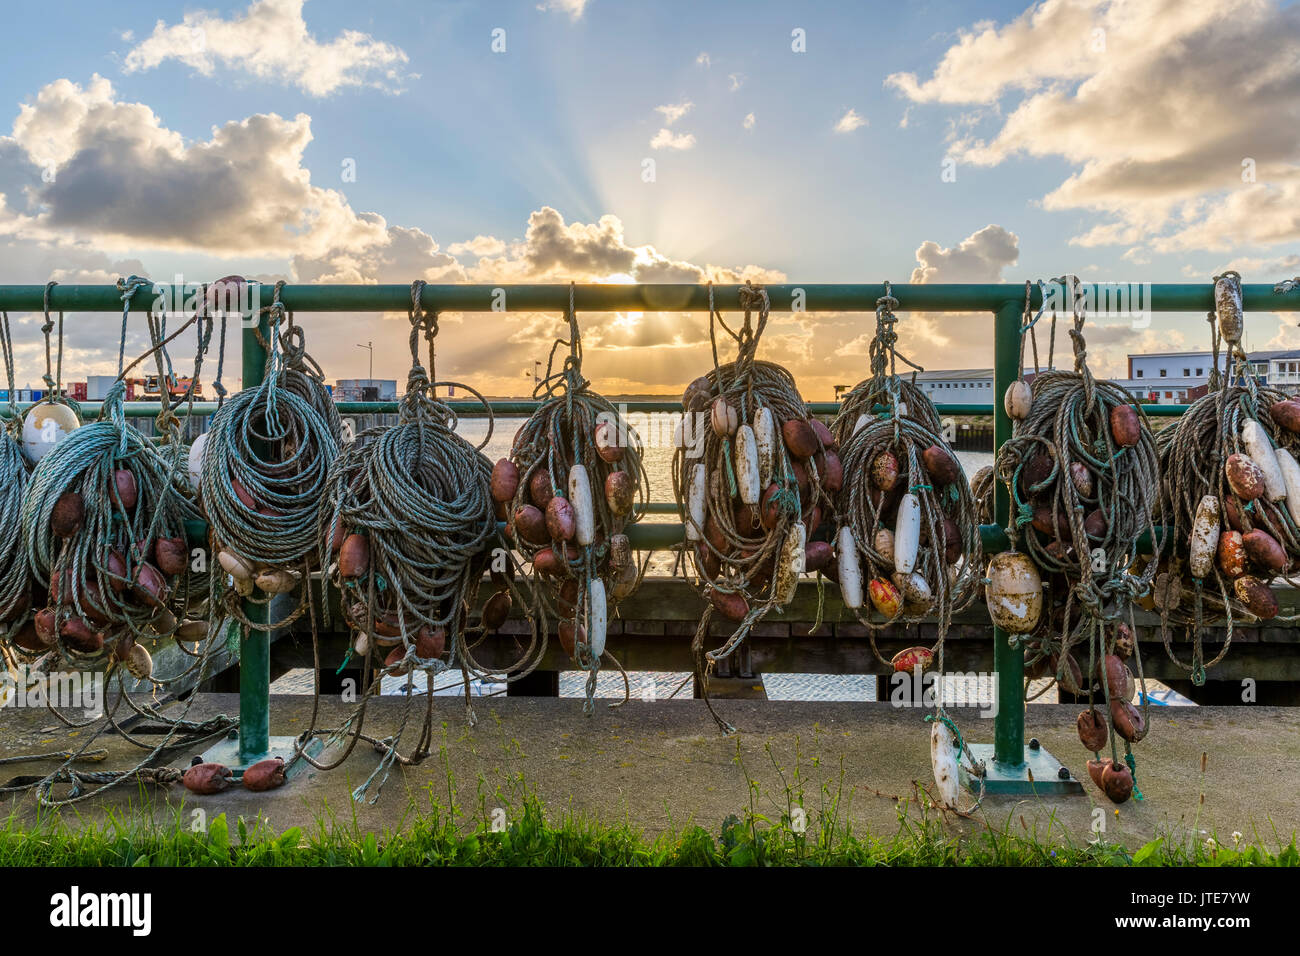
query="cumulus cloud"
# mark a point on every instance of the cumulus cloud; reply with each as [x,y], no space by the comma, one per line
[270,41]
[667,139]
[672,112]
[748,121]
[849,122]
[1180,117]
[951,340]
[478,247]
[980,257]
[120,176]
[735,81]
[703,59]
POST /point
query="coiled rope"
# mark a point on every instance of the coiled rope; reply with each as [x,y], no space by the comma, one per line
[264,469]
[949,562]
[275,443]
[895,445]
[413,498]
[1192,459]
[576,429]
[15,597]
[746,555]
[1086,499]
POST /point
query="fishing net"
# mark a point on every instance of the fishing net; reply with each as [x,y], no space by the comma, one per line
[907,525]
[1231,489]
[567,492]
[1082,474]
[753,476]
[103,526]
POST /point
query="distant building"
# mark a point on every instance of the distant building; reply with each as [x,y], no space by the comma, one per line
[1177,378]
[957,387]
[1170,378]
[1158,378]
[1280,368]
[365,390]
[97,386]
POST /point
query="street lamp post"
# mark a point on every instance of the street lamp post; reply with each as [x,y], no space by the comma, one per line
[370,347]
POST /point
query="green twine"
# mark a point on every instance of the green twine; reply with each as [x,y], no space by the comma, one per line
[1132,769]
[951,725]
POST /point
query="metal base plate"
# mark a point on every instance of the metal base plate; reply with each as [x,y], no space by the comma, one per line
[1039,775]
[226,752]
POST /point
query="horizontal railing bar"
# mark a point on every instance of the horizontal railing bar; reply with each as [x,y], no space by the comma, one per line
[510,408]
[601,297]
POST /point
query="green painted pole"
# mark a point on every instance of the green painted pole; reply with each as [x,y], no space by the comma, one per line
[1008,661]
[255,648]
[654,297]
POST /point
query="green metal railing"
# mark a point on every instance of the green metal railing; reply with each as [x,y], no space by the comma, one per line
[513,408]
[1005,301]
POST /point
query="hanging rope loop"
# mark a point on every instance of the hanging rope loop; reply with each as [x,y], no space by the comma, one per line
[575,480]
[884,459]
[746,567]
[268,454]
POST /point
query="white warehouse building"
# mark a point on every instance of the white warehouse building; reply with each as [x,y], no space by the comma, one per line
[1162,378]
[957,387]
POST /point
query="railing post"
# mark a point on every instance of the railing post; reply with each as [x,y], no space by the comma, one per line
[1008,661]
[255,648]
[1011,769]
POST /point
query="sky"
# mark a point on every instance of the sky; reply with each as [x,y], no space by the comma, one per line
[619,141]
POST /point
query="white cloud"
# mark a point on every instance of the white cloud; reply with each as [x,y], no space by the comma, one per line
[1157,104]
[849,122]
[672,112]
[122,177]
[980,257]
[957,340]
[749,121]
[703,59]
[270,41]
[666,139]
[479,247]
[574,8]
[735,81]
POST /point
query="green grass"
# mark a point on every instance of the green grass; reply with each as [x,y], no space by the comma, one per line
[433,839]
[775,829]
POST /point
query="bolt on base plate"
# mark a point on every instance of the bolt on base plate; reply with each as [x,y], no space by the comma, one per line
[1039,775]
